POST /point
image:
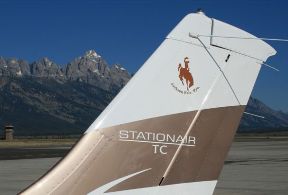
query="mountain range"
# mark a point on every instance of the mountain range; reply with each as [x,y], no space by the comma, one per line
[43,98]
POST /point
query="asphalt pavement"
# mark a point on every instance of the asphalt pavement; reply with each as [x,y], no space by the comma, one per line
[252,168]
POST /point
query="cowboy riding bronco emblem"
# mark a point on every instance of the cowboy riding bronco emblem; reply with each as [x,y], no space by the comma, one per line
[186,78]
[185,73]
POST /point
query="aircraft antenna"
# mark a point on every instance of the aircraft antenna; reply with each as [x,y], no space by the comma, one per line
[247,38]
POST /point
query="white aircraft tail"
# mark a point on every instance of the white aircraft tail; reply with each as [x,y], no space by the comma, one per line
[168,131]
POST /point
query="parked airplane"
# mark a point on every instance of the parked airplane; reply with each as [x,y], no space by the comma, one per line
[169,129]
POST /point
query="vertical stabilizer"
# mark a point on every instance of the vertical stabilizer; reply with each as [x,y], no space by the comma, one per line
[169,130]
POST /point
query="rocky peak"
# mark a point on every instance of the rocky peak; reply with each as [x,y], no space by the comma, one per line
[120,70]
[272,118]
[47,62]
[92,54]
[13,67]
[45,68]
[91,66]
[118,67]
[119,75]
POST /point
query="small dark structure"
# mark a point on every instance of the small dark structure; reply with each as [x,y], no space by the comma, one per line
[9,129]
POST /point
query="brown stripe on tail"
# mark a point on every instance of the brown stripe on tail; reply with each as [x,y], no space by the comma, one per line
[214,130]
[105,155]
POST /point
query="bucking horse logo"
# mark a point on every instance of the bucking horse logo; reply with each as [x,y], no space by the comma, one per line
[184,73]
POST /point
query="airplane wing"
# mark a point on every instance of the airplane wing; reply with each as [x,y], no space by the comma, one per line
[169,129]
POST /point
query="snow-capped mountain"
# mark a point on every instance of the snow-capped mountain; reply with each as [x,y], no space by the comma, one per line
[41,97]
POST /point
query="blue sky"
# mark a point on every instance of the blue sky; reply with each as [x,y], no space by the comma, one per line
[127,32]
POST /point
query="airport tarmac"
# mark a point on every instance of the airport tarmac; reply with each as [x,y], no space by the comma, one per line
[252,168]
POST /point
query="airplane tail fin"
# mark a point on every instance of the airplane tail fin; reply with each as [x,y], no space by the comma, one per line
[168,131]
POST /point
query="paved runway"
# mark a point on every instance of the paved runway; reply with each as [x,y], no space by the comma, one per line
[252,168]
[29,153]
[255,168]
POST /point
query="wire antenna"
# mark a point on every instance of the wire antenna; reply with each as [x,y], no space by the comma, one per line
[252,38]
[251,114]
[269,66]
[231,37]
